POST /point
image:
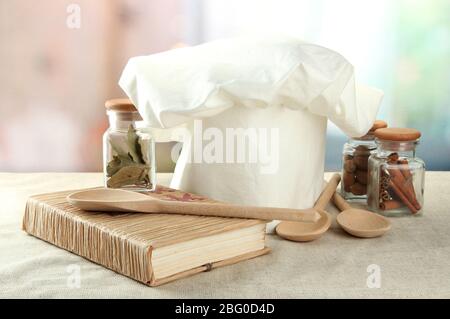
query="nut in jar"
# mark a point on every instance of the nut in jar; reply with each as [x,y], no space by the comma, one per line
[355,164]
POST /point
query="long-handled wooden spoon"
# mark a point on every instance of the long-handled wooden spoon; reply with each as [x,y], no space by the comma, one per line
[298,231]
[108,199]
[360,222]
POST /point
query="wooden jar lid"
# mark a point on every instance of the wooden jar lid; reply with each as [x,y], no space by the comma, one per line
[397,134]
[377,125]
[121,105]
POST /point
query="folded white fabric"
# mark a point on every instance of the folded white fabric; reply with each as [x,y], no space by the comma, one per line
[263,105]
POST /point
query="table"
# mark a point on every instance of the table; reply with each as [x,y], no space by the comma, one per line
[412,260]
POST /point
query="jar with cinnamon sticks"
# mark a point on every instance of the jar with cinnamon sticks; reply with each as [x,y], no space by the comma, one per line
[355,164]
[396,174]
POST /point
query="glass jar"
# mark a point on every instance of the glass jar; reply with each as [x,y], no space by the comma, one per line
[396,175]
[356,154]
[128,150]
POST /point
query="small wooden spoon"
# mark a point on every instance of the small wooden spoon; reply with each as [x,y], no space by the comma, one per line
[298,231]
[118,200]
[359,222]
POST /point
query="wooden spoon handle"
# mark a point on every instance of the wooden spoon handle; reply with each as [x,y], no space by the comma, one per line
[327,192]
[340,202]
[228,210]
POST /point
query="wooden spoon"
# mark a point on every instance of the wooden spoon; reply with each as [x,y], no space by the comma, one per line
[359,222]
[298,231]
[118,200]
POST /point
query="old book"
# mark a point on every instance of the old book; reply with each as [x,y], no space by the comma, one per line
[151,248]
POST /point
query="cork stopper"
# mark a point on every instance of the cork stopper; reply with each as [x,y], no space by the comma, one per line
[120,105]
[397,134]
[377,125]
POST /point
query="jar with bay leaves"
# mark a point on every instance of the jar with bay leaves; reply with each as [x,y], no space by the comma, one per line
[128,149]
[355,163]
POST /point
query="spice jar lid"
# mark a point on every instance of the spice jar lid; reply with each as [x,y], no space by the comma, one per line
[121,105]
[397,134]
[377,125]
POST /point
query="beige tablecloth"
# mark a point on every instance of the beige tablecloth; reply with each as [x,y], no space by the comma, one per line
[413,260]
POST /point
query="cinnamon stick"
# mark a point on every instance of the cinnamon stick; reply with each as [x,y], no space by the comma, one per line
[398,191]
[402,176]
[390,204]
[407,189]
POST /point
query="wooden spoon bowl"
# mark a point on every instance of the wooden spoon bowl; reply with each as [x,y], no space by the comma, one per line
[362,223]
[296,231]
[302,232]
[359,222]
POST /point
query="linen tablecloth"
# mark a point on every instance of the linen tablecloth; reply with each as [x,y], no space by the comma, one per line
[412,260]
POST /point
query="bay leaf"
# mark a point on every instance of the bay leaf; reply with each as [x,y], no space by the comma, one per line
[134,149]
[128,175]
[117,163]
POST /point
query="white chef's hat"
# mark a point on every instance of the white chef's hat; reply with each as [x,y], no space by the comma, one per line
[243,82]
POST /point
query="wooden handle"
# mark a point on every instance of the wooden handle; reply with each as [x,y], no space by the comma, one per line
[237,211]
[340,202]
[328,192]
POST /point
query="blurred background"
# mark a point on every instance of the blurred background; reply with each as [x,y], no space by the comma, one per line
[56,70]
